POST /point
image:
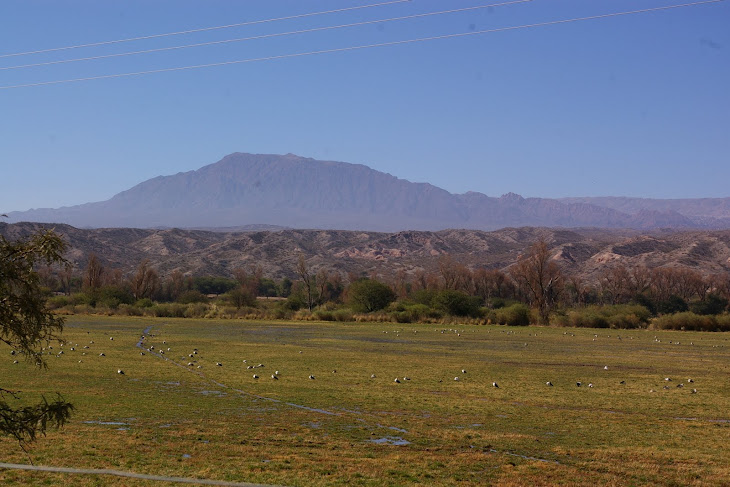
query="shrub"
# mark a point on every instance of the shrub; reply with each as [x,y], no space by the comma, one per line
[615,316]
[514,315]
[57,302]
[192,296]
[144,303]
[711,305]
[128,310]
[673,304]
[694,322]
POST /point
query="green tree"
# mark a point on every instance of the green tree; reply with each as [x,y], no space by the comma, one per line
[456,303]
[367,295]
[26,325]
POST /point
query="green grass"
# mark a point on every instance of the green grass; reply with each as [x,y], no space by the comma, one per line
[220,423]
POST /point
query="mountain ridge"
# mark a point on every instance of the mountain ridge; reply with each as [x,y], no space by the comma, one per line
[299,192]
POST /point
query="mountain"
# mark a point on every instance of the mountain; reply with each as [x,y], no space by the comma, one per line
[292,191]
[583,252]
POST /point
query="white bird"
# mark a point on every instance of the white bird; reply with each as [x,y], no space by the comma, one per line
[396,380]
[219,364]
[276,373]
[456,378]
[690,380]
[463,371]
[372,376]
[590,385]
[273,376]
[605,367]
[111,338]
[255,376]
[102,355]
[548,383]
[694,391]
[494,384]
[120,371]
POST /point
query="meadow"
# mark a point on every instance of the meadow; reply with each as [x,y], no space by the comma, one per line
[180,414]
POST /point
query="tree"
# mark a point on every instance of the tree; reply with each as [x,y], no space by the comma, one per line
[367,295]
[26,325]
[94,273]
[539,278]
[308,279]
[145,281]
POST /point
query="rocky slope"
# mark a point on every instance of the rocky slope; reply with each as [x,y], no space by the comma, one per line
[582,251]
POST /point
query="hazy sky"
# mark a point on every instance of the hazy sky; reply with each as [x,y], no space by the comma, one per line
[636,105]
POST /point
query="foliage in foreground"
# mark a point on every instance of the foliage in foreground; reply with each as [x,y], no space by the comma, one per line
[25,325]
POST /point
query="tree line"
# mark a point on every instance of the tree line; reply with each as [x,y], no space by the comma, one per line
[535,281]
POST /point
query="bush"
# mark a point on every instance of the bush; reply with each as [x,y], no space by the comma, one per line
[693,322]
[673,304]
[169,310]
[711,305]
[192,296]
[144,303]
[128,310]
[57,302]
[616,316]
[515,315]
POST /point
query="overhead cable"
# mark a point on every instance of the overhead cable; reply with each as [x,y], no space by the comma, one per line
[265,36]
[354,48]
[204,29]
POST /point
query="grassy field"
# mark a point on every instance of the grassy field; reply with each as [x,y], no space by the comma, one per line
[345,427]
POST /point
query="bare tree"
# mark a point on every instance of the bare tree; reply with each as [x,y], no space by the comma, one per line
[615,283]
[93,277]
[308,281]
[145,281]
[539,278]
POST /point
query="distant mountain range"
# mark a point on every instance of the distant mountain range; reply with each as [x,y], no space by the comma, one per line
[582,252]
[249,191]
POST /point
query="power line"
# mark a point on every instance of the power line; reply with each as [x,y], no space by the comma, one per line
[265,36]
[204,29]
[354,48]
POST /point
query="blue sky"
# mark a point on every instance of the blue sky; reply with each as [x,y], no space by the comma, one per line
[626,106]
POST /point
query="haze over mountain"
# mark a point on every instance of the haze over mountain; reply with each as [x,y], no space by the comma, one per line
[292,191]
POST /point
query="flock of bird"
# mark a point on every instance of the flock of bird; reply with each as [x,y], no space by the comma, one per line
[194,359]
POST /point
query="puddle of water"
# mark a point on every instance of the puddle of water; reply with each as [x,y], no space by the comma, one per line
[307,408]
[122,429]
[391,440]
[719,420]
[185,455]
[399,430]
[525,457]
[212,393]
[112,423]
